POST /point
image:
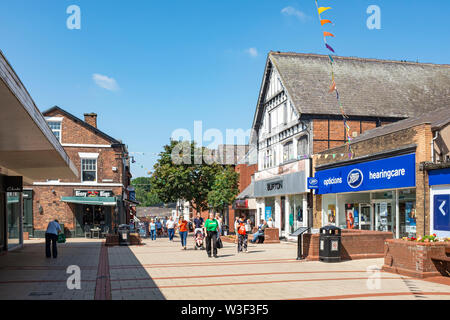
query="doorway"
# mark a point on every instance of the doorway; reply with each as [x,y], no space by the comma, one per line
[384,217]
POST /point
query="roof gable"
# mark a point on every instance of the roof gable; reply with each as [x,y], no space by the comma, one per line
[81,122]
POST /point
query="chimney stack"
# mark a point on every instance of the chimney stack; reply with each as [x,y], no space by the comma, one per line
[91,118]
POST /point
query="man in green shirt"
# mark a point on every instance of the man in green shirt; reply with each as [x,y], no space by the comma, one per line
[211,226]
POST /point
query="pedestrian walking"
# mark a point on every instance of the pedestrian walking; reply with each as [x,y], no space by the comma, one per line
[170,228]
[152,230]
[51,237]
[211,226]
[158,224]
[198,223]
[242,236]
[183,230]
[219,221]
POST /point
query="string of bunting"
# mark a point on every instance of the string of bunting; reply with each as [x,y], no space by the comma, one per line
[333,86]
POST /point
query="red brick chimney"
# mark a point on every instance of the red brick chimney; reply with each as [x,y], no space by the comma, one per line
[91,118]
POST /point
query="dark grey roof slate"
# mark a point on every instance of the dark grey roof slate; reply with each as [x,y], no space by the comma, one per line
[436,119]
[368,87]
[248,192]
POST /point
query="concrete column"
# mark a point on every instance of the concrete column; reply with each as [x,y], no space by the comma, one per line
[278,213]
[305,209]
[286,216]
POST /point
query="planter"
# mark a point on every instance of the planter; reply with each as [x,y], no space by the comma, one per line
[356,244]
[417,259]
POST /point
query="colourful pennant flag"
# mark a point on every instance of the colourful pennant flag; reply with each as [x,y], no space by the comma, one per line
[329,47]
[327,34]
[325,21]
[323,9]
[332,87]
[331,58]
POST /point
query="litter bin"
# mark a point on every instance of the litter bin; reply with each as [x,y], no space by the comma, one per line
[330,244]
[124,234]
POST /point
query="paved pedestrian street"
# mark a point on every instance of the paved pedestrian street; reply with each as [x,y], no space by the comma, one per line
[162,270]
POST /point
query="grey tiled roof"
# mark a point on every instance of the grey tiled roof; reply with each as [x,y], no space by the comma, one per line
[368,87]
[248,192]
[435,118]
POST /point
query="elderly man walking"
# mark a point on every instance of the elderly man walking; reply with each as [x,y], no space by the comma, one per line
[51,236]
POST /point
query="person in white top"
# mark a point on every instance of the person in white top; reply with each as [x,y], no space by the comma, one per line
[219,220]
[170,224]
[270,223]
[51,236]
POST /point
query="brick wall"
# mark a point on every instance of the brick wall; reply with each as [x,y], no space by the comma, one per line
[328,133]
[74,132]
[356,244]
[415,259]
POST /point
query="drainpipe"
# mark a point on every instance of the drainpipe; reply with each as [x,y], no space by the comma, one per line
[432,145]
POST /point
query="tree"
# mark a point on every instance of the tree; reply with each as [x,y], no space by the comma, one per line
[144,192]
[224,189]
[181,172]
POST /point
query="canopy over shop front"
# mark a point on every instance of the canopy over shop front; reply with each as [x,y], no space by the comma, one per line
[95,201]
[28,147]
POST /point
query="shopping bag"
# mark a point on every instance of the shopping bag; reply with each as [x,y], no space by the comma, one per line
[61,238]
[219,243]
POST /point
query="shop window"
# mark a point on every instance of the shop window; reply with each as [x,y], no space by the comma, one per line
[296,214]
[89,170]
[329,209]
[55,126]
[13,218]
[407,212]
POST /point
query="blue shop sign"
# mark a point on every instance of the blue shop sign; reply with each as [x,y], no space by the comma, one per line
[389,173]
[440,176]
[313,183]
[442,212]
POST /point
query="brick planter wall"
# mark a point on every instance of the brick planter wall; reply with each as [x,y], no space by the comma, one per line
[356,244]
[113,239]
[417,259]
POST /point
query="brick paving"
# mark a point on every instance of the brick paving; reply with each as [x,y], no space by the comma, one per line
[161,270]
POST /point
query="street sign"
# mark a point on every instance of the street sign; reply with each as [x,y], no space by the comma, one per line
[313,183]
[442,212]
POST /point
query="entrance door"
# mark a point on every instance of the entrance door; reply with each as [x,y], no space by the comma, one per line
[28,212]
[384,219]
[365,219]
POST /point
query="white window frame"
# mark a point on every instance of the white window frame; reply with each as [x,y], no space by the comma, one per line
[55,119]
[88,156]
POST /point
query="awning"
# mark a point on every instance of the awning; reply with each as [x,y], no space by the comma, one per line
[28,146]
[95,201]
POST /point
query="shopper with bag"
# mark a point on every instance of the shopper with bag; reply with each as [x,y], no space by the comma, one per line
[242,236]
[211,226]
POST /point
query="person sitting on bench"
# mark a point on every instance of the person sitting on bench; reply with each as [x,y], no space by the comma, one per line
[260,232]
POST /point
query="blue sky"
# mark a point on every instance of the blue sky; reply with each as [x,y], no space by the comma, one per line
[165,64]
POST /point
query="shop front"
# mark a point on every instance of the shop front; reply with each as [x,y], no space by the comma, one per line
[92,208]
[377,195]
[439,181]
[283,199]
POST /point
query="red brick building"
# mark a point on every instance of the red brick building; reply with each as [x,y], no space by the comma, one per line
[99,197]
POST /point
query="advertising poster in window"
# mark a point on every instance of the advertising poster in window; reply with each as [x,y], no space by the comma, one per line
[410,216]
[350,216]
[331,213]
[268,213]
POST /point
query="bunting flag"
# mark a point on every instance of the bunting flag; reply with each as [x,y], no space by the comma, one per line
[323,9]
[333,86]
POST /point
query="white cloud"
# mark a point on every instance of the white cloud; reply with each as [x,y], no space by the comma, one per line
[105,82]
[291,11]
[252,52]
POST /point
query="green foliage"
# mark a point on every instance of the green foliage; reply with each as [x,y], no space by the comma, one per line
[182,173]
[144,192]
[224,189]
